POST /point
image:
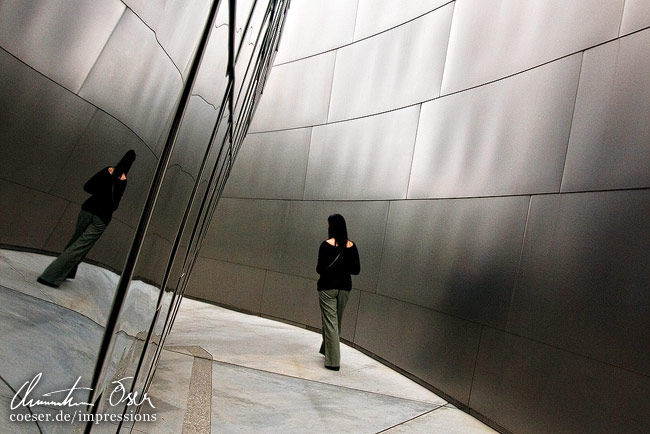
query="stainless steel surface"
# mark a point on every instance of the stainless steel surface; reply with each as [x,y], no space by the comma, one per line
[246,232]
[296,95]
[509,137]
[179,29]
[17,202]
[306,228]
[293,297]
[381,73]
[334,19]
[81,83]
[367,158]
[636,16]
[285,236]
[447,263]
[584,276]
[149,11]
[40,125]
[194,136]
[374,16]
[456,256]
[296,298]
[211,81]
[533,388]
[503,37]
[437,348]
[136,83]
[610,133]
[173,198]
[102,144]
[60,39]
[271,166]
[109,250]
[226,283]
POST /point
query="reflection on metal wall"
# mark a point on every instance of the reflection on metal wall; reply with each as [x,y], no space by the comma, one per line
[491,161]
[81,84]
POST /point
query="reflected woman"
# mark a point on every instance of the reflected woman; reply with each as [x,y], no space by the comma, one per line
[338,258]
[106,187]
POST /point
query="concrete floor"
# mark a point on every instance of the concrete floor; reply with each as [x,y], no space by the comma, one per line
[255,375]
[220,371]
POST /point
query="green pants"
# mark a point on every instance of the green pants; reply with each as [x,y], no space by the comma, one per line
[332,304]
[88,230]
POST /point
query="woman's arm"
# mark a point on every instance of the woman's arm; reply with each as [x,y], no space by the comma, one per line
[352,263]
[319,265]
[93,183]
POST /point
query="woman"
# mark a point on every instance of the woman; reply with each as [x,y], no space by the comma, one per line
[106,187]
[338,258]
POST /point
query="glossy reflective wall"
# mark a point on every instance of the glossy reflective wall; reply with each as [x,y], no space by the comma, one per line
[80,84]
[491,161]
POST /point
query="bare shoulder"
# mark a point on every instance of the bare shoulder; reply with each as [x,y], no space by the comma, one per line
[350,244]
[331,242]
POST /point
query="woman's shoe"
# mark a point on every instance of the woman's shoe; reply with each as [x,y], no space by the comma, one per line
[333,368]
[46,283]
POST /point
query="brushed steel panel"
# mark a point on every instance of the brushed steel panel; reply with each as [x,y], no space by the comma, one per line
[585,274]
[242,12]
[40,124]
[22,219]
[211,79]
[436,348]
[148,11]
[306,228]
[334,19]
[509,137]
[152,262]
[374,16]
[194,136]
[636,16]
[292,298]
[233,285]
[456,256]
[271,165]
[179,29]
[103,143]
[136,83]
[61,39]
[367,158]
[503,37]
[246,232]
[172,200]
[295,299]
[528,387]
[111,248]
[610,134]
[296,95]
[394,69]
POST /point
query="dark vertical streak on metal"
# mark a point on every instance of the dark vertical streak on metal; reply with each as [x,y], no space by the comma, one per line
[145,218]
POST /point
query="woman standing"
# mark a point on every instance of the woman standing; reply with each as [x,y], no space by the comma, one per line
[338,258]
[106,187]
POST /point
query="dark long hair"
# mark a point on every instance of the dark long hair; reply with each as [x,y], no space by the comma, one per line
[124,164]
[338,230]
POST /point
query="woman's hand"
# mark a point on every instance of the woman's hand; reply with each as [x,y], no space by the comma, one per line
[111,170]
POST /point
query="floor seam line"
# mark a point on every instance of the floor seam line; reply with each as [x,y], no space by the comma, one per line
[409,420]
[309,380]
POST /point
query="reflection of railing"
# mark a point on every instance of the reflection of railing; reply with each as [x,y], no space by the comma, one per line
[238,121]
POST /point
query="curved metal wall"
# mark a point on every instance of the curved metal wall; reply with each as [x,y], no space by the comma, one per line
[80,83]
[491,161]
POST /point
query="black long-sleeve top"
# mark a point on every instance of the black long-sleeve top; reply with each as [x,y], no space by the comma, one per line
[335,274]
[106,193]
